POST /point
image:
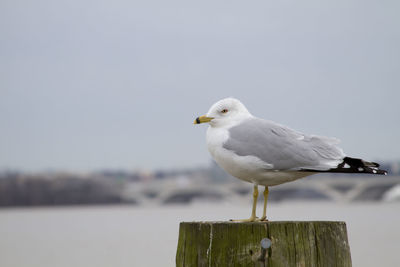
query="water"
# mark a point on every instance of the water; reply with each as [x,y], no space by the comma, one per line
[122,236]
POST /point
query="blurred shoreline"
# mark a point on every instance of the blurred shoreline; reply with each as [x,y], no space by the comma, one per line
[111,187]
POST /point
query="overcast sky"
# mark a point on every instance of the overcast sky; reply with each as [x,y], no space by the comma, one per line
[88,85]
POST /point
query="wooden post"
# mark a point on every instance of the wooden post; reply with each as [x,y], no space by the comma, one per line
[317,243]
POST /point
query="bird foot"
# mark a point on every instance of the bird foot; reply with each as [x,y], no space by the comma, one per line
[251,219]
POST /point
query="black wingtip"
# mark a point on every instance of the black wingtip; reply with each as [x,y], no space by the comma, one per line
[354,165]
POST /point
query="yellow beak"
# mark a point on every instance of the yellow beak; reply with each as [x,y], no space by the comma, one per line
[202,119]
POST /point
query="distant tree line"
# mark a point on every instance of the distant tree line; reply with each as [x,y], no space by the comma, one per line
[26,190]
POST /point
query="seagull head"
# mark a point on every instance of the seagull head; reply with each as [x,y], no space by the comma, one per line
[226,112]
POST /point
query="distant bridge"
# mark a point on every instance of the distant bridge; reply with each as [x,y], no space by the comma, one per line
[322,187]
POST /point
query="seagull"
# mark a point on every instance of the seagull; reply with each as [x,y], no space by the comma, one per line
[266,153]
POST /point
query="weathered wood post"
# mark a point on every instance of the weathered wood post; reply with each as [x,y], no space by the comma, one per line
[315,243]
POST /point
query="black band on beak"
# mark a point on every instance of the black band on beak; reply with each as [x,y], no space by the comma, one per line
[198,120]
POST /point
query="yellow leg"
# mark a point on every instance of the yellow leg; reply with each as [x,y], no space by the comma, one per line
[253,211]
[266,192]
[255,196]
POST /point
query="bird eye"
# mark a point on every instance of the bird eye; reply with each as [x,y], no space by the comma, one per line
[224,111]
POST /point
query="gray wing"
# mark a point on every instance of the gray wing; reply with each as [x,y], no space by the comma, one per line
[282,147]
